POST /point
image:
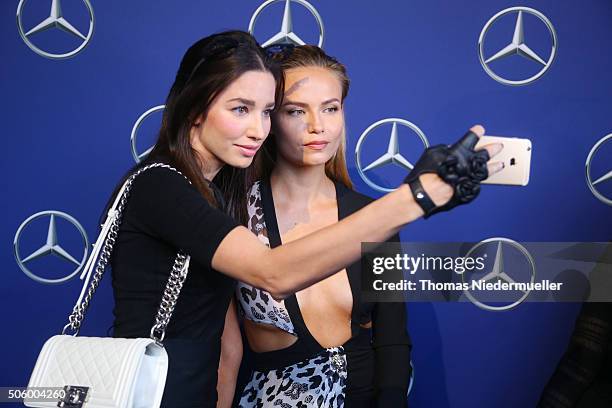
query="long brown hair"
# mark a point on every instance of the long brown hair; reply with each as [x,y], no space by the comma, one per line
[208,67]
[304,56]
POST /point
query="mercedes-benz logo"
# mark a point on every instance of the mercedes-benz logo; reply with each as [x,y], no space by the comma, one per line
[286,34]
[392,155]
[51,246]
[604,178]
[517,46]
[55,20]
[498,272]
[138,157]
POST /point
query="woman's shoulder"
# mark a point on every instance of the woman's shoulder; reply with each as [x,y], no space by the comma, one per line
[164,189]
[160,177]
[149,180]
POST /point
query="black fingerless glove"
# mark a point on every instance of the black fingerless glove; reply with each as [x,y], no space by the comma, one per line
[458,165]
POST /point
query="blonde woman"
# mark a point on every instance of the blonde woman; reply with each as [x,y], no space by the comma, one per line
[323,346]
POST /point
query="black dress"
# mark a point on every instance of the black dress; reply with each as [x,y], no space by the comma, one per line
[164,213]
[372,369]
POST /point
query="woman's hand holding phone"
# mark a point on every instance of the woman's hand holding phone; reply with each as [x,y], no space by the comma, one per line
[447,176]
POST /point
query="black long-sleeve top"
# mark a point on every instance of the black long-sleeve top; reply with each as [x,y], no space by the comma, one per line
[164,213]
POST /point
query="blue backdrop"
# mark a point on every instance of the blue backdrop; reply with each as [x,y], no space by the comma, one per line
[67,123]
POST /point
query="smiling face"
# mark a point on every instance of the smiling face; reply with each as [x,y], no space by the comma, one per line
[236,124]
[308,127]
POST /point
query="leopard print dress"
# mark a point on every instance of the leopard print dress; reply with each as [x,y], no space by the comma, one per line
[319,380]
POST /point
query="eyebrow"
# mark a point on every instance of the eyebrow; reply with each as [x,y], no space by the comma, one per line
[249,102]
[289,102]
[296,85]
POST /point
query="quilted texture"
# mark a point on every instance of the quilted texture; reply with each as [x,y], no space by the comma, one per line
[112,368]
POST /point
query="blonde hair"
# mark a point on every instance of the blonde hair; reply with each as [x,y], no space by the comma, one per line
[311,56]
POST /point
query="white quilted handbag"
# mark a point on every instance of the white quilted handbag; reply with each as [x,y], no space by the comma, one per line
[104,372]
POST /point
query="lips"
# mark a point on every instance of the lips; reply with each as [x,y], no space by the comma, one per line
[248,150]
[317,144]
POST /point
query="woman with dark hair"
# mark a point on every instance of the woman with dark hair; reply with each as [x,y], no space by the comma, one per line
[217,116]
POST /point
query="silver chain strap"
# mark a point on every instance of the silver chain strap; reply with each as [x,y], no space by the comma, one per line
[173,286]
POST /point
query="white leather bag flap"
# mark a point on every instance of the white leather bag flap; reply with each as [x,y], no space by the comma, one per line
[105,365]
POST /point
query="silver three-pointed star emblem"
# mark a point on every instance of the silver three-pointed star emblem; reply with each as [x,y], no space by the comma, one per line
[51,246]
[55,20]
[286,35]
[391,156]
[607,177]
[499,273]
[517,46]
[138,157]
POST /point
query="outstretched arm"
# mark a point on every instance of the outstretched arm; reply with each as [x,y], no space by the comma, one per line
[181,216]
[303,262]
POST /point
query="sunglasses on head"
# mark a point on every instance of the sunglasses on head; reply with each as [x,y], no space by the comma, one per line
[279,51]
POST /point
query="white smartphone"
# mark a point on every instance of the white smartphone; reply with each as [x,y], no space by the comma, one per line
[516,155]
